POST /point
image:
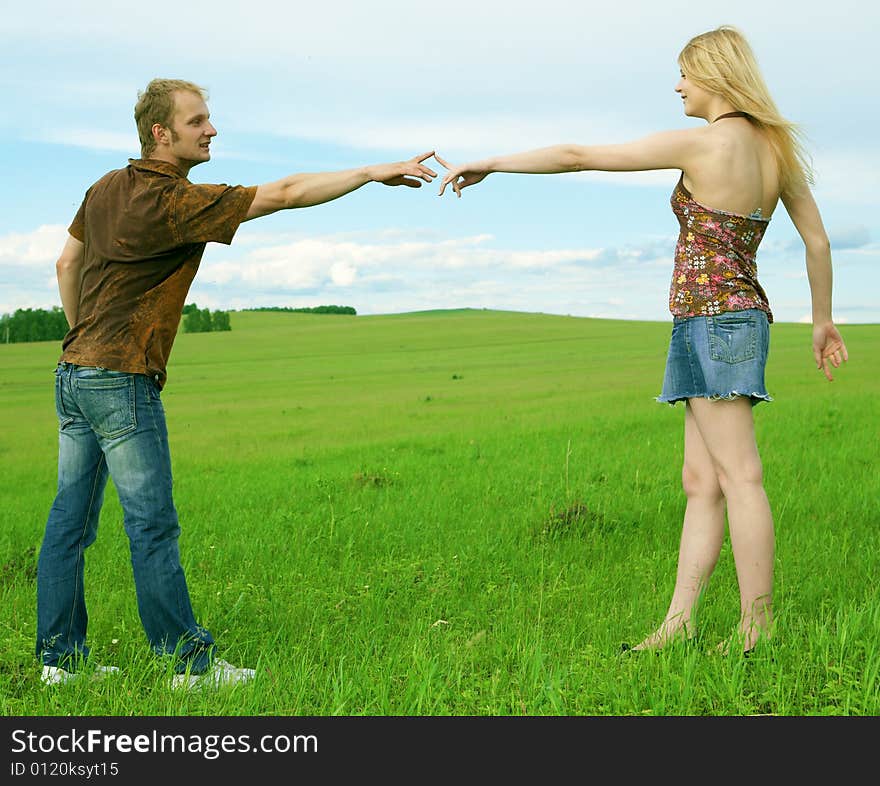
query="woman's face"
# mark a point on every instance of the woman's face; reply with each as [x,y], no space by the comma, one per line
[695,98]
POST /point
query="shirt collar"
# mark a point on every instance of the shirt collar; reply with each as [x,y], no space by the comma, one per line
[155,165]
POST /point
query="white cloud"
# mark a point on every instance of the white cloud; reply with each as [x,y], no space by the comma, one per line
[33,249]
[380,273]
[465,31]
[474,133]
[93,139]
[390,270]
[657,177]
[848,176]
[343,274]
[310,262]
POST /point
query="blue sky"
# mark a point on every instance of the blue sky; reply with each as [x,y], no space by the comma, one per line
[310,87]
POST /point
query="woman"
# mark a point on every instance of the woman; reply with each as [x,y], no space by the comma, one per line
[734,170]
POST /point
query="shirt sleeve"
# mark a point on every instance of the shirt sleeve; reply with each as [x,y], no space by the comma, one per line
[207,213]
[77,227]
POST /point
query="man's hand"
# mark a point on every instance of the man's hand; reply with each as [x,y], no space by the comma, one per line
[828,348]
[403,173]
[470,175]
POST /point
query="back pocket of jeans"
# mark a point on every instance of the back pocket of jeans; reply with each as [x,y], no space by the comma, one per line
[108,404]
[733,337]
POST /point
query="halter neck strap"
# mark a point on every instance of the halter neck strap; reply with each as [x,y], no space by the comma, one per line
[730,114]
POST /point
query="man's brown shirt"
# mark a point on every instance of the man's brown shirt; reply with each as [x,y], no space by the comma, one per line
[145,228]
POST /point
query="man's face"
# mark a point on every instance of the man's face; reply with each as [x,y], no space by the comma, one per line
[191,130]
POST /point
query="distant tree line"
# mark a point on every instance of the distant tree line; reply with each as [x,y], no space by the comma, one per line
[38,324]
[309,309]
[33,324]
[203,320]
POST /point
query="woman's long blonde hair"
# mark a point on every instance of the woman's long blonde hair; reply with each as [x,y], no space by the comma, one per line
[722,62]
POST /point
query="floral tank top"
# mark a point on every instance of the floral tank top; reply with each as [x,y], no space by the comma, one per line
[715,267]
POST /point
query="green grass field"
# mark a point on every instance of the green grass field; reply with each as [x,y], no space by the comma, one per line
[459,513]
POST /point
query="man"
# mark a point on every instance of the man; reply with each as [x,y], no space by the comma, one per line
[133,250]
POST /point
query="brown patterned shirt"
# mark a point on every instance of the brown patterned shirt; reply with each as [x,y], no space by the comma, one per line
[715,268]
[145,228]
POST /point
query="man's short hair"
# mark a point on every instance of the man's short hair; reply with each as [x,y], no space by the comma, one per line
[156,105]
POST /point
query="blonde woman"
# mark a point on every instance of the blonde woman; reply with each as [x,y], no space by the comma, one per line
[735,171]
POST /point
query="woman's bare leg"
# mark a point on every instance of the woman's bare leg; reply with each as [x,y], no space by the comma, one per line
[728,433]
[702,535]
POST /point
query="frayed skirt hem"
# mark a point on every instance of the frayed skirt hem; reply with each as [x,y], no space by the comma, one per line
[756,398]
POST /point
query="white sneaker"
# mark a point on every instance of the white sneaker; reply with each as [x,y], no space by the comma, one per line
[221,674]
[53,675]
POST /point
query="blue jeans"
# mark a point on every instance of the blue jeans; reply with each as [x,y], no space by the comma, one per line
[112,423]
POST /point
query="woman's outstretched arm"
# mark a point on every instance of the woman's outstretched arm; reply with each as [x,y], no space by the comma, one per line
[680,149]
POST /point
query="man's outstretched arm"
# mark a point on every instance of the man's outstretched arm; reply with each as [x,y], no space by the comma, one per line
[308,189]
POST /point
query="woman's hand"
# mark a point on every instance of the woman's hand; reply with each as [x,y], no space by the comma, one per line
[828,348]
[470,175]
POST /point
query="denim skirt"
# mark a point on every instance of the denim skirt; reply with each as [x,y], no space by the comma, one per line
[718,357]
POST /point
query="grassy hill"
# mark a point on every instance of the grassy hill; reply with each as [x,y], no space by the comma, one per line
[459,512]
